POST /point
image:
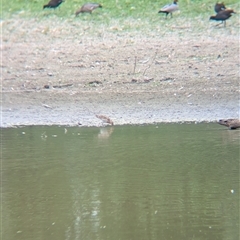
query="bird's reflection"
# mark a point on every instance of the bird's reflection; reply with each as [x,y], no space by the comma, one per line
[105,132]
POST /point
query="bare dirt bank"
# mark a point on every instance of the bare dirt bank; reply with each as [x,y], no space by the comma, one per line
[57,78]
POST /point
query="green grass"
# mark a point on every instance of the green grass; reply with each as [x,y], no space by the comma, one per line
[120,15]
[143,9]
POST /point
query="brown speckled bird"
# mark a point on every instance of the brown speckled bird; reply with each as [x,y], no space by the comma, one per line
[53,4]
[223,16]
[88,8]
[230,123]
[105,119]
[219,7]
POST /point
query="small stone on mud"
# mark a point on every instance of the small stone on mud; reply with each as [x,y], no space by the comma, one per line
[46,106]
[147,80]
[94,82]
[167,79]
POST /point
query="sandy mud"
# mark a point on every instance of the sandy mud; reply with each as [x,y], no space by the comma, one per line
[62,78]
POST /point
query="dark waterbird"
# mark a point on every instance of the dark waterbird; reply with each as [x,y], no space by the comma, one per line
[88,8]
[219,7]
[223,16]
[169,8]
[53,4]
[230,123]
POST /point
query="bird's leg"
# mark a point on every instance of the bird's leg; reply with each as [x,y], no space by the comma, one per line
[219,23]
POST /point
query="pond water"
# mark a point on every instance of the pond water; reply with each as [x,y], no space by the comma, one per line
[165,181]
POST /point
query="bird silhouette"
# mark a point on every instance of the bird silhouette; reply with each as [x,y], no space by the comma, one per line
[169,8]
[223,16]
[105,119]
[88,8]
[219,7]
[53,4]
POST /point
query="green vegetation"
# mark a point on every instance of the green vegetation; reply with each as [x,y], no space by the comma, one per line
[120,15]
[144,9]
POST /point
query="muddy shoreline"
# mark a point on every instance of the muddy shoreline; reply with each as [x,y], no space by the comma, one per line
[55,78]
[129,108]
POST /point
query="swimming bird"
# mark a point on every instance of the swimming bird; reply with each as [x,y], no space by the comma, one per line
[170,8]
[230,123]
[88,8]
[219,7]
[53,4]
[223,16]
[105,119]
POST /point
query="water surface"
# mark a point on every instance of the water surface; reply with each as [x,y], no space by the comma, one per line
[166,181]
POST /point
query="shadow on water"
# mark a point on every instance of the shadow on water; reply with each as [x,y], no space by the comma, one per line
[166,181]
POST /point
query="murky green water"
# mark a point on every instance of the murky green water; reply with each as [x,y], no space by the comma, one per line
[169,181]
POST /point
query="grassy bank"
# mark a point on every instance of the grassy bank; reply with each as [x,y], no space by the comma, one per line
[143,9]
[138,16]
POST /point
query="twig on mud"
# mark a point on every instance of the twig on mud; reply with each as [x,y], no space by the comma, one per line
[46,106]
[63,86]
[135,64]
[144,72]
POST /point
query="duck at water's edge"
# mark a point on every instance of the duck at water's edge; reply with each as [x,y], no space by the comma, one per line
[230,123]
[105,119]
